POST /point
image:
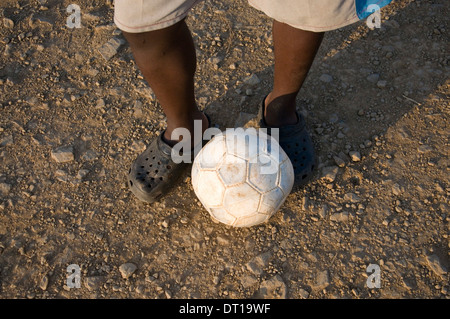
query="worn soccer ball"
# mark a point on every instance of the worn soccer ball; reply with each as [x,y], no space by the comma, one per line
[242,177]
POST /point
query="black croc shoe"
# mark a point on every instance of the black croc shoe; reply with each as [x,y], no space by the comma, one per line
[296,142]
[154,173]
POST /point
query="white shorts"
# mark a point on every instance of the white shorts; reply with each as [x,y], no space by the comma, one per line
[136,16]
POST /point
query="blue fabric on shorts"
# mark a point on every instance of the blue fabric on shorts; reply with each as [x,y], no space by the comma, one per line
[364,9]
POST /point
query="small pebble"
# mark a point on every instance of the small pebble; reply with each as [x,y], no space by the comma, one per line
[252,80]
[43,284]
[373,77]
[127,269]
[326,78]
[355,156]
[8,23]
[4,189]
[339,161]
[382,84]
[63,154]
[329,173]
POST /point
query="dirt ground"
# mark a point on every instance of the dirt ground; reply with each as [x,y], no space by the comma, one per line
[75,111]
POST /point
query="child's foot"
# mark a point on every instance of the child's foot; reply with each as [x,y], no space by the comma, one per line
[154,172]
[294,139]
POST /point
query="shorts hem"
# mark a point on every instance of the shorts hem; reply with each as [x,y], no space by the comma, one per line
[313,28]
[153,26]
[324,28]
[149,27]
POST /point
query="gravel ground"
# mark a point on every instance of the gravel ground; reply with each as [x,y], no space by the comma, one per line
[75,111]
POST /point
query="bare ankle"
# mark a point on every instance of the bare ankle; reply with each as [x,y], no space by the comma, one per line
[172,136]
[280,111]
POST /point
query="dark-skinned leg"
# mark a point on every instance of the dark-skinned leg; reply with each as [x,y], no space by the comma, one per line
[167,60]
[295,51]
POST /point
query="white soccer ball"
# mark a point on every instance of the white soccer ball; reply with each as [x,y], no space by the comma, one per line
[242,177]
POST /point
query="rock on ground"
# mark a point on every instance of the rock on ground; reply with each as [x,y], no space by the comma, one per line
[436,265]
[273,288]
[93,282]
[110,48]
[127,269]
[322,280]
[329,173]
[4,189]
[63,154]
